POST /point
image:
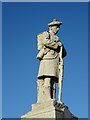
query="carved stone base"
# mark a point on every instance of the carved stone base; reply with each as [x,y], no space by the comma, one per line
[51,109]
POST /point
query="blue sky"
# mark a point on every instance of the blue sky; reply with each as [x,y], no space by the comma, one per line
[21,24]
[0,60]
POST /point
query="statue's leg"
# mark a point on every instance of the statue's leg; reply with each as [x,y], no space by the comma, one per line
[53,89]
[47,88]
[40,89]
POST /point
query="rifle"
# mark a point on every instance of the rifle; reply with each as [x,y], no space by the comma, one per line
[60,79]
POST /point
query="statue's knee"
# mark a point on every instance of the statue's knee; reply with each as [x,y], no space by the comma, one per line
[47,82]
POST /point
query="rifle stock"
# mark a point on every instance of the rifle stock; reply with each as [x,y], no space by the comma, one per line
[60,79]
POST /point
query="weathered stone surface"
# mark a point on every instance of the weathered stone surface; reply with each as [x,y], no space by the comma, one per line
[51,109]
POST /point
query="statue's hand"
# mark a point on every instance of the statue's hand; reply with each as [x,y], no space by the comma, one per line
[40,54]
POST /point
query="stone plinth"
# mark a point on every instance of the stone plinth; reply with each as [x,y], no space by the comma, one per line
[51,109]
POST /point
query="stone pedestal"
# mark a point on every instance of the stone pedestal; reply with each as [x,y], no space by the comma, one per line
[51,109]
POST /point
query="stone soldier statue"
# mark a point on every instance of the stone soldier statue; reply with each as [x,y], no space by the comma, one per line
[51,54]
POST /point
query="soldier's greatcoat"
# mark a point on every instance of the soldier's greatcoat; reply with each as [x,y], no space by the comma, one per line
[50,60]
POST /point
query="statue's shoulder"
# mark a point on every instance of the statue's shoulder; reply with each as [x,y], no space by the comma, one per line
[44,34]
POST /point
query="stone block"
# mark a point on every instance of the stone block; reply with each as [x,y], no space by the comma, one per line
[51,109]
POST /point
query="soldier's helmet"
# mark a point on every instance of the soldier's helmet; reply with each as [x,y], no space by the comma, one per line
[54,23]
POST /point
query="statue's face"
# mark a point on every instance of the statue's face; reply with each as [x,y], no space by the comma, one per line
[55,29]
